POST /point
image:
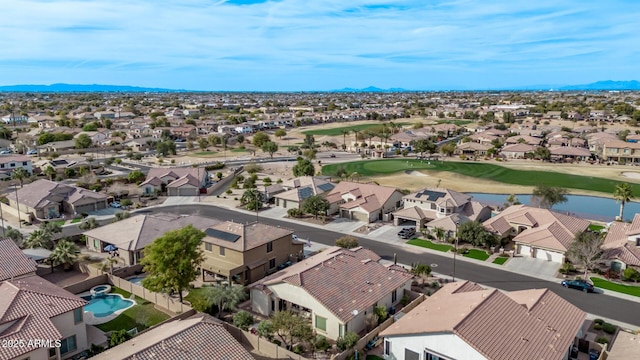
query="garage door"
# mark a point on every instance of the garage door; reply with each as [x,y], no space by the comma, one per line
[84,208]
[549,255]
[187,192]
[360,216]
[525,250]
[101,205]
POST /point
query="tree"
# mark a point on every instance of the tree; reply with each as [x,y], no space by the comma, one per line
[270,147]
[50,172]
[347,242]
[260,138]
[585,250]
[474,233]
[309,142]
[166,147]
[69,172]
[121,215]
[349,340]
[14,234]
[65,253]
[289,327]
[20,174]
[118,337]
[550,195]
[266,329]
[243,320]
[542,153]
[240,138]
[135,176]
[309,154]
[280,133]
[304,167]
[623,194]
[448,149]
[51,228]
[83,141]
[315,205]
[420,270]
[439,233]
[108,264]
[226,297]
[252,199]
[203,143]
[172,259]
[344,134]
[38,239]
[512,200]
[424,145]
[88,224]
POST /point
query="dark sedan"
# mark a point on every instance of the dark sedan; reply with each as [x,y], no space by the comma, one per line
[578,284]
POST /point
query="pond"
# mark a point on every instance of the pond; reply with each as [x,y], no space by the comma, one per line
[589,207]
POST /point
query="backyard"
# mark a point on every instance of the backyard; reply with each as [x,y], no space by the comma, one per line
[479,170]
[143,315]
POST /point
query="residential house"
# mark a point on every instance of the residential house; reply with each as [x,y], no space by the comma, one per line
[46,320]
[176,181]
[298,189]
[15,119]
[570,153]
[10,162]
[517,151]
[443,208]
[45,199]
[130,236]
[465,321]
[247,252]
[537,233]
[56,146]
[13,263]
[336,289]
[523,139]
[622,245]
[363,202]
[472,149]
[200,336]
[105,115]
[620,151]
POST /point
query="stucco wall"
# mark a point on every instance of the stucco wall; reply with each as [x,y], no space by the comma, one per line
[446,344]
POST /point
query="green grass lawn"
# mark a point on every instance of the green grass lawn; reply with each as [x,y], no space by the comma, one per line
[429,245]
[142,315]
[477,254]
[338,131]
[595,227]
[479,170]
[76,220]
[608,285]
[58,222]
[500,260]
[203,153]
[239,150]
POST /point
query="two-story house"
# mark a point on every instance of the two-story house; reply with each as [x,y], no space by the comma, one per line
[176,181]
[246,253]
[294,191]
[444,208]
[363,202]
[462,320]
[620,151]
[8,163]
[336,289]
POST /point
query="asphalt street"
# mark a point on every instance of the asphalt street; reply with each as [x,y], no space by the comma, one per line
[606,306]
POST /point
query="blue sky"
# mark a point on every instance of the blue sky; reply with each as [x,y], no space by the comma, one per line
[294,45]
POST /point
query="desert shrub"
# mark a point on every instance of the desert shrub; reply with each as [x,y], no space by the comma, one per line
[294,213]
[608,328]
[405,300]
[322,343]
[602,340]
[598,321]
[126,202]
[298,349]
[630,274]
[597,327]
[381,312]
[243,320]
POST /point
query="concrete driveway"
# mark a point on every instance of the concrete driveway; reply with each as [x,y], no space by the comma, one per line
[534,267]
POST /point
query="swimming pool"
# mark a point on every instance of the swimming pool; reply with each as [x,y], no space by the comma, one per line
[107,305]
[136,280]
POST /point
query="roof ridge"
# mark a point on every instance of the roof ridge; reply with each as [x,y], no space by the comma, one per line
[492,293]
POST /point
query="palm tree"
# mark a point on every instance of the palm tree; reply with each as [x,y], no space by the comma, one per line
[420,270]
[50,172]
[66,253]
[439,233]
[356,132]
[227,297]
[14,234]
[344,138]
[108,264]
[20,174]
[623,194]
[38,239]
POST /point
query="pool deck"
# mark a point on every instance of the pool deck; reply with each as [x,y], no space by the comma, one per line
[90,319]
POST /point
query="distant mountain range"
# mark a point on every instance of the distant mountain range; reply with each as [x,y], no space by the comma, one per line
[81,88]
[600,85]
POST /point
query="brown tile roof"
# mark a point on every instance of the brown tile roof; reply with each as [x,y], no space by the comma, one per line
[43,192]
[523,148]
[13,158]
[187,179]
[13,263]
[26,308]
[174,173]
[416,213]
[634,229]
[617,235]
[138,231]
[328,275]
[198,337]
[249,236]
[373,196]
[450,197]
[473,209]
[500,326]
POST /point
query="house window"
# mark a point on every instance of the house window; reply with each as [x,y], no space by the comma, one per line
[207,247]
[24,163]
[96,244]
[430,356]
[387,347]
[77,315]
[52,352]
[222,251]
[270,246]
[68,345]
[1,166]
[394,296]
[411,355]
[321,323]
[272,263]
[12,164]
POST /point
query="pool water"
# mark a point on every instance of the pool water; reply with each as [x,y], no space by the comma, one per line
[106,305]
[136,280]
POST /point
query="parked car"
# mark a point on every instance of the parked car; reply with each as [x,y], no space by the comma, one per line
[115,204]
[332,155]
[407,233]
[32,152]
[578,284]
[5,152]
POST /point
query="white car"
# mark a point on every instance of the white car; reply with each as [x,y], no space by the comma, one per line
[115,204]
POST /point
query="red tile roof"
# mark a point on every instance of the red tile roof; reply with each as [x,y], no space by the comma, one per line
[13,263]
[26,308]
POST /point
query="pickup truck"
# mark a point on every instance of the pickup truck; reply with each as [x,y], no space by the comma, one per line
[407,233]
